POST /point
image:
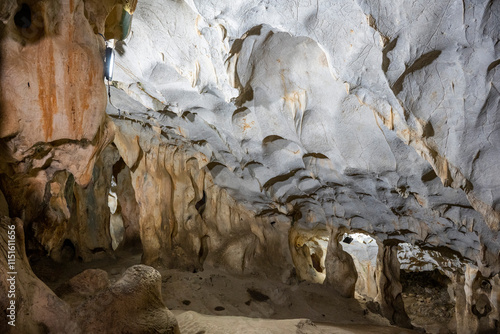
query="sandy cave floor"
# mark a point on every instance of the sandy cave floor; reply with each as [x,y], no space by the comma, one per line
[213,301]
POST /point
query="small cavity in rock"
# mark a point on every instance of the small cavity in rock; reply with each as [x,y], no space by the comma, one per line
[257,295]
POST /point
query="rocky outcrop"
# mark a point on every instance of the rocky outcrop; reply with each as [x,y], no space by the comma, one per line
[27,304]
[185,220]
[75,221]
[48,126]
[127,207]
[340,270]
[131,305]
[53,127]
[476,302]
[308,251]
[389,295]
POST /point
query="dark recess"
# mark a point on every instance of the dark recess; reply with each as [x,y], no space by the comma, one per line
[316,262]
[347,240]
[257,295]
[68,251]
[22,19]
[200,205]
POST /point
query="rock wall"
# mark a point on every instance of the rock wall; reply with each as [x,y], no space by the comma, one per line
[185,220]
[35,308]
[53,128]
[320,113]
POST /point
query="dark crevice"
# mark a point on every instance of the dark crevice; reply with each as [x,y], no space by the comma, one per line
[22,19]
[423,61]
[315,155]
[257,295]
[200,205]
[137,162]
[118,167]
[385,60]
[97,250]
[316,262]
[280,178]
[429,176]
[204,248]
[68,251]
[493,65]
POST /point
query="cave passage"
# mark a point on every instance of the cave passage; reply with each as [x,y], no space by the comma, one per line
[363,250]
[116,228]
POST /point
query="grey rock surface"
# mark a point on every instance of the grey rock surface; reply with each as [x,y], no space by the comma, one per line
[381,118]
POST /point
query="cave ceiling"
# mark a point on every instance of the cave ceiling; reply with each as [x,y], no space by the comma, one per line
[380,118]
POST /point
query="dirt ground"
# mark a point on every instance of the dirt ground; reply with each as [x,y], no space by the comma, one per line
[213,301]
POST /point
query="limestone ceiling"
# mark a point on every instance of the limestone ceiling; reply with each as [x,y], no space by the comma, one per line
[378,117]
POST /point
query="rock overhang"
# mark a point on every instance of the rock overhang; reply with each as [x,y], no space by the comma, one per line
[334,114]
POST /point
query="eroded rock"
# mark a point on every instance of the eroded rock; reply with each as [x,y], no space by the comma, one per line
[89,282]
[341,273]
[389,287]
[131,305]
[36,309]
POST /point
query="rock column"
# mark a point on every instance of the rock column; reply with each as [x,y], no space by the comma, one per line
[340,269]
[389,287]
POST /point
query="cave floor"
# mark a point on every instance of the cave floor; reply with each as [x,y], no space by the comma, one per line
[214,301]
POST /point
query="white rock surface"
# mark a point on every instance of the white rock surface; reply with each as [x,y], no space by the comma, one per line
[379,117]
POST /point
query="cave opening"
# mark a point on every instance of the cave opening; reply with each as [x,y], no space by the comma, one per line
[116,227]
[363,249]
[427,290]
[309,255]
[68,251]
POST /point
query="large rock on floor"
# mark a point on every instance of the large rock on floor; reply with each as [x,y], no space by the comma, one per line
[131,305]
[89,282]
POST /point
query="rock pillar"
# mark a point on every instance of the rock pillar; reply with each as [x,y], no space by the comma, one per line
[340,269]
[389,287]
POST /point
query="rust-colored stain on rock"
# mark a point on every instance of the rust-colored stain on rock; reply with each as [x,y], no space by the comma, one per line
[47,92]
